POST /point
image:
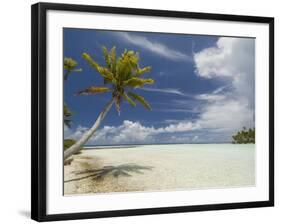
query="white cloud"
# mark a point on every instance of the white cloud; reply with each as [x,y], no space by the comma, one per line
[182,126]
[226,116]
[229,107]
[178,110]
[230,57]
[132,132]
[154,47]
[178,139]
[221,89]
[165,90]
[210,97]
[75,135]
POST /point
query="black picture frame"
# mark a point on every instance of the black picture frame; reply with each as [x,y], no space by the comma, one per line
[39,122]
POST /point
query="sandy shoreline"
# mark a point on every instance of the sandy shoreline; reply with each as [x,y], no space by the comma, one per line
[157,168]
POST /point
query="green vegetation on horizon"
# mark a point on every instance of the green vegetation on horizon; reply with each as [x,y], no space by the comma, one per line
[244,136]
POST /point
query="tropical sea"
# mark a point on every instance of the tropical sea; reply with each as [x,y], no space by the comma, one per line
[131,168]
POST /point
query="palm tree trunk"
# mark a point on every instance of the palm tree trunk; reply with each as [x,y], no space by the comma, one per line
[88,134]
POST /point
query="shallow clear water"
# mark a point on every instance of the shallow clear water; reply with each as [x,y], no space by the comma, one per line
[171,167]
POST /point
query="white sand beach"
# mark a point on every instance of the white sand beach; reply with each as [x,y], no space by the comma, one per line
[160,168]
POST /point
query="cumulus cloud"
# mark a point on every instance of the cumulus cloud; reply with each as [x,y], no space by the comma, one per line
[226,116]
[230,107]
[133,132]
[230,57]
[154,47]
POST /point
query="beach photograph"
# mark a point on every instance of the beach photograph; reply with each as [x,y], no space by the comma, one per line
[148,111]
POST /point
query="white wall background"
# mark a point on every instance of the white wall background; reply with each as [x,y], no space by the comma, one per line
[15,110]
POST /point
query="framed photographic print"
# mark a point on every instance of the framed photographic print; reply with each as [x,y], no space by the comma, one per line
[138,111]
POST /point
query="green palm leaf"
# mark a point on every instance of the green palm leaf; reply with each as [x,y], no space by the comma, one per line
[123,69]
[94,90]
[91,61]
[106,56]
[140,99]
[133,104]
[138,82]
[141,71]
[69,65]
[104,72]
[113,59]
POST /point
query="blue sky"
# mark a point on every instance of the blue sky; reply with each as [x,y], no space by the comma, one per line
[203,91]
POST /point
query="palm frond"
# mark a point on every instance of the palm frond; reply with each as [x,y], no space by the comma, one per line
[123,69]
[106,56]
[127,64]
[140,99]
[104,72]
[93,90]
[113,60]
[91,61]
[141,71]
[138,82]
[133,104]
[69,65]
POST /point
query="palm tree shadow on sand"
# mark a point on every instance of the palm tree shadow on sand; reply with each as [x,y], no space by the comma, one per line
[115,171]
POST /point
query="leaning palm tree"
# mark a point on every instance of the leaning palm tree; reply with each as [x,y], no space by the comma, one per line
[121,76]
